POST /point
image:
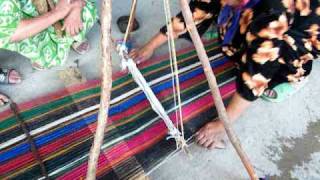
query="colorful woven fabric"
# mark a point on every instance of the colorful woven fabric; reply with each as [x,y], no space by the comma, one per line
[63,123]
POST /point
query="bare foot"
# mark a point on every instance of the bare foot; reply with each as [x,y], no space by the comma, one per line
[14,77]
[3,99]
[141,55]
[211,135]
[81,47]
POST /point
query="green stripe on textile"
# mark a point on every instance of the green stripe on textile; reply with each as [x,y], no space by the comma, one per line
[29,114]
[132,119]
[47,107]
[163,63]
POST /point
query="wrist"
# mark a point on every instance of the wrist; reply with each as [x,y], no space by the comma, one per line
[220,123]
[76,10]
[60,13]
[78,5]
[157,41]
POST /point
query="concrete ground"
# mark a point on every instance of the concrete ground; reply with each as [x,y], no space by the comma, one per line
[282,140]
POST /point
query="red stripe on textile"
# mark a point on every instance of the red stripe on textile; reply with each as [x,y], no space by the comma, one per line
[76,88]
[118,153]
[166,93]
[52,147]
[50,97]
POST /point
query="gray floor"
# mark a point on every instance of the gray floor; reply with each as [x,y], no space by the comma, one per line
[282,140]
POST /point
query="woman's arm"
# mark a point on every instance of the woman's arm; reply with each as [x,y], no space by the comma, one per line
[204,13]
[211,135]
[237,106]
[30,27]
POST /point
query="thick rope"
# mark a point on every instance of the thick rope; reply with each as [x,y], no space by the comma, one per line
[140,80]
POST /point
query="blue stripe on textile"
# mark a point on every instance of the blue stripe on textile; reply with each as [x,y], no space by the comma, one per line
[73,127]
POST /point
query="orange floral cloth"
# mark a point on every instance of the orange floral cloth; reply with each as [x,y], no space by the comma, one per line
[275,43]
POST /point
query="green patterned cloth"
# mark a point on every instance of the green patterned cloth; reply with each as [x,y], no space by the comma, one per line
[46,48]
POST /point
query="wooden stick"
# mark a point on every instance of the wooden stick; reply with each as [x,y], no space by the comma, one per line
[105,89]
[131,21]
[187,14]
[33,147]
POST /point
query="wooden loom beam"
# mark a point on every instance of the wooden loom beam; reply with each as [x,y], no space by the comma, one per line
[106,87]
[203,57]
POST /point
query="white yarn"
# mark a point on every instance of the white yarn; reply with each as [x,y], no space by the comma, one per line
[154,102]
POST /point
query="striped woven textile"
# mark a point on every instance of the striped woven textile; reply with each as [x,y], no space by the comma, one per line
[63,123]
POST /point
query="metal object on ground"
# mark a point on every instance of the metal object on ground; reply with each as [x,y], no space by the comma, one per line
[33,147]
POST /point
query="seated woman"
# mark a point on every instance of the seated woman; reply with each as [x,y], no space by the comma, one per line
[272,43]
[23,30]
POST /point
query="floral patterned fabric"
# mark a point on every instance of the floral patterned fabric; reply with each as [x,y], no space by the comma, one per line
[45,49]
[275,43]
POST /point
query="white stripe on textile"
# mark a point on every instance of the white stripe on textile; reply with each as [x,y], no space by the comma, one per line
[132,133]
[92,108]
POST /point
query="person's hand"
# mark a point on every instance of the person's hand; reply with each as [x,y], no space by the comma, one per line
[77,4]
[143,54]
[73,22]
[64,7]
[211,135]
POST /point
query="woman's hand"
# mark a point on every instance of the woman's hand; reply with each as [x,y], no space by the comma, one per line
[211,135]
[141,55]
[64,7]
[73,22]
[32,26]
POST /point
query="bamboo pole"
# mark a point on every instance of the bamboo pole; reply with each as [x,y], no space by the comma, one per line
[190,25]
[105,89]
[131,21]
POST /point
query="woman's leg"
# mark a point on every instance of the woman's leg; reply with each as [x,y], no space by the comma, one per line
[211,135]
[13,78]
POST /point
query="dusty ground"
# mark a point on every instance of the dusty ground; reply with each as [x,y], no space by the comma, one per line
[282,140]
